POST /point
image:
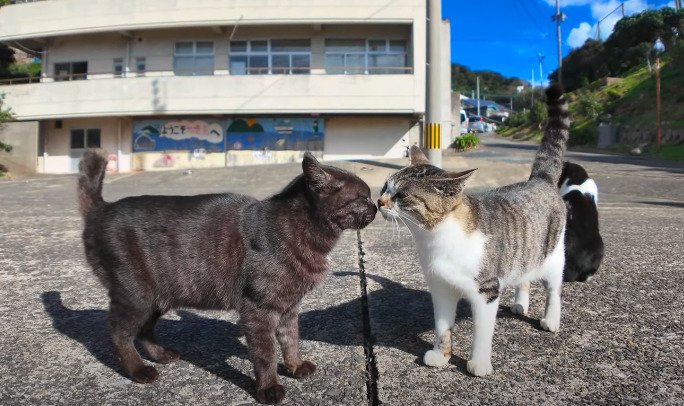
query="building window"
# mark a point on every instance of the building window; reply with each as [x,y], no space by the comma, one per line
[71,71]
[278,56]
[118,67]
[85,138]
[193,58]
[359,56]
[140,64]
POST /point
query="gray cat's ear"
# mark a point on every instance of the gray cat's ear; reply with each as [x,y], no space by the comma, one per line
[315,176]
[417,156]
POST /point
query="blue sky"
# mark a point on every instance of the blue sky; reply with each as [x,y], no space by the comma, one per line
[506,36]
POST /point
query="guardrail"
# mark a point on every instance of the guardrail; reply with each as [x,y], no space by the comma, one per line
[274,70]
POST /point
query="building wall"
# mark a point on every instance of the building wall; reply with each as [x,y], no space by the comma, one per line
[23,137]
[58,157]
[368,137]
[448,120]
[345,138]
[68,17]
[157,46]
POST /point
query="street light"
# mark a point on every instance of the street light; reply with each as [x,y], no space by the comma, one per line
[658,48]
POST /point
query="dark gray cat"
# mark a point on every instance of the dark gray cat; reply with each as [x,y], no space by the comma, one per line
[221,251]
[472,245]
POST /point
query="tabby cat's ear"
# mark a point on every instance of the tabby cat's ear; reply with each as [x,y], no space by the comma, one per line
[451,183]
[462,176]
[315,176]
[417,156]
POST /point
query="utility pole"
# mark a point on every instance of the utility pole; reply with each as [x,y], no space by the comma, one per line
[678,5]
[532,83]
[432,136]
[559,18]
[477,78]
[541,77]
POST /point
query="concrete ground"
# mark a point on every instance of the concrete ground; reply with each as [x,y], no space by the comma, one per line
[621,338]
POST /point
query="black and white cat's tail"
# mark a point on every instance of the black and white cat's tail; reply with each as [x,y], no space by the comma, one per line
[92,170]
[548,164]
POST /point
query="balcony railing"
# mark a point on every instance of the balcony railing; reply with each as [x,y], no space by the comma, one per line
[274,70]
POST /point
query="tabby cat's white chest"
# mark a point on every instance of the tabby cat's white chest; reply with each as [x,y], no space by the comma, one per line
[451,253]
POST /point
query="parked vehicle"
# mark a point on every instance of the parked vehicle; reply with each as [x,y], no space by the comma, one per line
[476,124]
[464,122]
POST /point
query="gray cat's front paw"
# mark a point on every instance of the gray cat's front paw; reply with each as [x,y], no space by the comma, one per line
[434,358]
[480,367]
[518,309]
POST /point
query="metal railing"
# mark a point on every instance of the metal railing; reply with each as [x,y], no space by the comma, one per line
[274,70]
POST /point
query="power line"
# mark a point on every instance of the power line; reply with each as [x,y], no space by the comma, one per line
[523,6]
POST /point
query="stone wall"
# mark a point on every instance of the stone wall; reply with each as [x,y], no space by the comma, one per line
[637,136]
[23,137]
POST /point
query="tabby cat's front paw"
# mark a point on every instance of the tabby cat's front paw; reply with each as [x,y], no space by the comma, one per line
[434,358]
[479,367]
[550,324]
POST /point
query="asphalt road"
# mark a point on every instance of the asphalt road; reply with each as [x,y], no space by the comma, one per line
[621,338]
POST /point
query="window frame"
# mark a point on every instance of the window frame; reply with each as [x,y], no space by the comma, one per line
[269,53]
[367,68]
[118,62]
[70,75]
[87,133]
[139,71]
[194,55]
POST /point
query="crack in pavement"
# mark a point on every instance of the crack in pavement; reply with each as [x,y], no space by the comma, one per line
[372,374]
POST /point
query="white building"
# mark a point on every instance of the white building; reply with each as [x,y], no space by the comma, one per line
[174,84]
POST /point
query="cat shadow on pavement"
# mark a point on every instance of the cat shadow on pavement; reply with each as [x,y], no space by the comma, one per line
[204,342]
[399,316]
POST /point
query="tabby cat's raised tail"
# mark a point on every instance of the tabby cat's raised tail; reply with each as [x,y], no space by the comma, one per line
[548,164]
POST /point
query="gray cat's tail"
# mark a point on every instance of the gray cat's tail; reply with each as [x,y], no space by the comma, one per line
[548,164]
[92,170]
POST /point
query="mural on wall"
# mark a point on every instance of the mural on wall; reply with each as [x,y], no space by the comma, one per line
[293,134]
[177,135]
[203,136]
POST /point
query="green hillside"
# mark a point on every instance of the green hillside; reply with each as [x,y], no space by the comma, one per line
[631,102]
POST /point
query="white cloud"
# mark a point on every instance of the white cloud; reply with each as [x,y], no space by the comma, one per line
[569,3]
[600,10]
[578,35]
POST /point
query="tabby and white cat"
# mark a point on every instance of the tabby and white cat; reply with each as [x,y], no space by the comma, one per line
[473,245]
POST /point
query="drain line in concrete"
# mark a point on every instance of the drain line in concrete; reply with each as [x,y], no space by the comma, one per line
[372,374]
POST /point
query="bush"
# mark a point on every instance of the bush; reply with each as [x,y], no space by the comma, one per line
[538,114]
[583,135]
[518,118]
[465,142]
[613,95]
[590,106]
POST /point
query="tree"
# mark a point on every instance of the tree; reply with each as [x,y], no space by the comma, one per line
[628,46]
[6,59]
[464,80]
[5,116]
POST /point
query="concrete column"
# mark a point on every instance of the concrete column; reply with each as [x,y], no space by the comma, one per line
[432,135]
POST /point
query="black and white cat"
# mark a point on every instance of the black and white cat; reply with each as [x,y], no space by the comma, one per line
[583,243]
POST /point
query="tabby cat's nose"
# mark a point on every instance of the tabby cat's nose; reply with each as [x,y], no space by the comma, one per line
[383,200]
